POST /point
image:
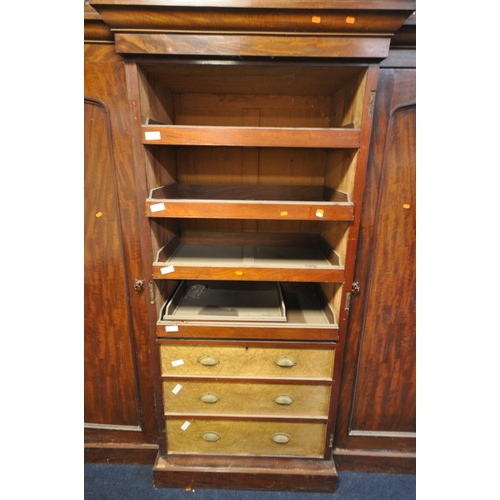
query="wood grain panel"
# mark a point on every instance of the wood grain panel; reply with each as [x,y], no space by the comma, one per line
[386,372]
[252,45]
[110,389]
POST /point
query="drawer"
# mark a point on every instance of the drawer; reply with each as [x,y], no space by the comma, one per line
[242,399]
[249,362]
[246,438]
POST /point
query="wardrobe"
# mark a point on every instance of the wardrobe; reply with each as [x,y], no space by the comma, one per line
[250,240]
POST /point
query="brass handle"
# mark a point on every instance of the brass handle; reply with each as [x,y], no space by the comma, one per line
[281,438]
[283,399]
[209,397]
[285,361]
[208,360]
[210,436]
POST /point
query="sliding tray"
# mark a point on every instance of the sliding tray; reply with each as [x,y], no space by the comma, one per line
[286,137]
[309,315]
[246,201]
[248,256]
[226,301]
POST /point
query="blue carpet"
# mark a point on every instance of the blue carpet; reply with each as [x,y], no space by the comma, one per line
[135,482]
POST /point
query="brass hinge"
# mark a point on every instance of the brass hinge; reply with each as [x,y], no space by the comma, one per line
[348,300]
[372,103]
[152,297]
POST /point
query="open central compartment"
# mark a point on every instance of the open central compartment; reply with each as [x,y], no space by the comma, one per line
[271,139]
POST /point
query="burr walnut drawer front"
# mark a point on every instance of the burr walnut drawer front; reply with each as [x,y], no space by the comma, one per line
[245,399]
[248,362]
[246,438]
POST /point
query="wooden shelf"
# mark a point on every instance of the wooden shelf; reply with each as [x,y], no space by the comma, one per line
[248,257]
[287,137]
[229,201]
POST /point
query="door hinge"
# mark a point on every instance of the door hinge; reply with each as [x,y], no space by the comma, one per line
[372,103]
[152,297]
[347,301]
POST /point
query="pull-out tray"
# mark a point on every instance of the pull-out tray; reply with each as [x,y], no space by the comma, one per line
[248,257]
[226,301]
[206,135]
[309,315]
[246,201]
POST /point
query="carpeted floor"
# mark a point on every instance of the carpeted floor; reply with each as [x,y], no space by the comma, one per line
[135,482]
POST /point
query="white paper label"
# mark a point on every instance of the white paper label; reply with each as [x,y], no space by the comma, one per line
[153,136]
[177,388]
[173,328]
[319,214]
[166,270]
[157,207]
[178,362]
[185,425]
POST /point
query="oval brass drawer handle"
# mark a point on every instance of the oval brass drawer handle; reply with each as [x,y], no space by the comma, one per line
[209,397]
[283,399]
[285,361]
[281,438]
[208,360]
[210,436]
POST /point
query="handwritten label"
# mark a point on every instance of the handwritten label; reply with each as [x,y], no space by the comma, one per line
[185,425]
[178,362]
[177,388]
[172,328]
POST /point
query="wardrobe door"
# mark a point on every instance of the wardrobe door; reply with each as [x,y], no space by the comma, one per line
[118,388]
[377,419]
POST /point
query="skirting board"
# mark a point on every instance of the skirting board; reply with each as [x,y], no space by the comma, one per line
[116,453]
[380,461]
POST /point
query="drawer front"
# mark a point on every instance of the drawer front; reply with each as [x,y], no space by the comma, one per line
[246,438]
[240,399]
[248,362]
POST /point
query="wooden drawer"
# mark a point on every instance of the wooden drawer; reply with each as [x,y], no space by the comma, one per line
[249,362]
[240,399]
[246,438]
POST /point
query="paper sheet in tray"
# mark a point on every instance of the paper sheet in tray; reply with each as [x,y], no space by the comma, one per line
[226,302]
